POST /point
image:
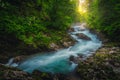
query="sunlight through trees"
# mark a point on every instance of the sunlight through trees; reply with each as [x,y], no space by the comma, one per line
[82,8]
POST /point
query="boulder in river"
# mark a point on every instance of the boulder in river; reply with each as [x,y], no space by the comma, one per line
[19,59]
[71,30]
[72,58]
[67,44]
[76,59]
[83,36]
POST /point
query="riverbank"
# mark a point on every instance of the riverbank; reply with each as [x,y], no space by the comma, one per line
[104,64]
[13,47]
[101,65]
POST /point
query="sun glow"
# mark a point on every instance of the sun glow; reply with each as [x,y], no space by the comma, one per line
[82,6]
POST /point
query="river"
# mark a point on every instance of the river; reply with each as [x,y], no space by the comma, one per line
[58,61]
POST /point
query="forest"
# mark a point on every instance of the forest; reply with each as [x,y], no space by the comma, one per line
[104,16]
[34,21]
[38,26]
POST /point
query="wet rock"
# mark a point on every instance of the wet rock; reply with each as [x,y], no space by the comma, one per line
[16,75]
[111,52]
[81,29]
[81,56]
[115,48]
[116,70]
[54,46]
[72,58]
[71,30]
[76,59]
[18,59]
[67,44]
[100,35]
[83,36]
[117,64]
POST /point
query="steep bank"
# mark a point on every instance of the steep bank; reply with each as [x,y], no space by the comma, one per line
[28,27]
[15,48]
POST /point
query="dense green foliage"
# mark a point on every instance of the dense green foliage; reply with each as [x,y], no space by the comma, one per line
[104,16]
[36,22]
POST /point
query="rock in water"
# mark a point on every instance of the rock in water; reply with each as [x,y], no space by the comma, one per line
[71,30]
[72,58]
[18,59]
[83,36]
[67,44]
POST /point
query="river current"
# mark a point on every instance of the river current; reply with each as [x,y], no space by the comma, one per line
[58,61]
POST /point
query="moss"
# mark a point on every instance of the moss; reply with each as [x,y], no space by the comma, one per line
[41,75]
[101,66]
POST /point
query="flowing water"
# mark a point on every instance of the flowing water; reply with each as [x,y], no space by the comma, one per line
[58,62]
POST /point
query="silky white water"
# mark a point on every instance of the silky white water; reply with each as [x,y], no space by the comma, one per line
[58,62]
